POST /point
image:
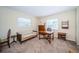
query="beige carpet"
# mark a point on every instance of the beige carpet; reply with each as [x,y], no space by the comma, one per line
[41,46]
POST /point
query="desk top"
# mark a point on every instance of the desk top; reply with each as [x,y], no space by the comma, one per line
[46,32]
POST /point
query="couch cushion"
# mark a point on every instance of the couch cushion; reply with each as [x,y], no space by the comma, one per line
[26,37]
[3,40]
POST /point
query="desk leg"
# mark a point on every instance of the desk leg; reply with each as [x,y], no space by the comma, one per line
[49,38]
[39,36]
[49,41]
[52,36]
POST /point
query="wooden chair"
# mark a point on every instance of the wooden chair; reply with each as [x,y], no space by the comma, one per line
[41,30]
[7,40]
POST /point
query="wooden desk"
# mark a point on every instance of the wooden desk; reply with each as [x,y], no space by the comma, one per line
[50,35]
[61,35]
[46,34]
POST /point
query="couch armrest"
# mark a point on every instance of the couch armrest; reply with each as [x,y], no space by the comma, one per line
[19,37]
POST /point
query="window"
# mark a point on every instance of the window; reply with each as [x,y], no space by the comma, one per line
[52,23]
[23,22]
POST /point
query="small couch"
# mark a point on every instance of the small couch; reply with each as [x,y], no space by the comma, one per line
[24,37]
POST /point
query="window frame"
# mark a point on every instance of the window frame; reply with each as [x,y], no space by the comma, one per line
[52,20]
[24,22]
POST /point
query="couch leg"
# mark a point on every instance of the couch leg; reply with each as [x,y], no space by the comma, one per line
[20,42]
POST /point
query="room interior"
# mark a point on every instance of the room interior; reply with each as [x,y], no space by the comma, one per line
[39,29]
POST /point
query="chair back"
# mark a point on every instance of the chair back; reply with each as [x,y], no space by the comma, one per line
[41,28]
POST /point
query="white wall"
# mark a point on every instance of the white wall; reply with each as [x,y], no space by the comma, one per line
[8,19]
[67,15]
[77,26]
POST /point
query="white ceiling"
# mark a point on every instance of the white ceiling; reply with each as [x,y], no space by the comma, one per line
[41,10]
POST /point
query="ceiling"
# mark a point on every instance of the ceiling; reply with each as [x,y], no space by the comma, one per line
[41,10]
